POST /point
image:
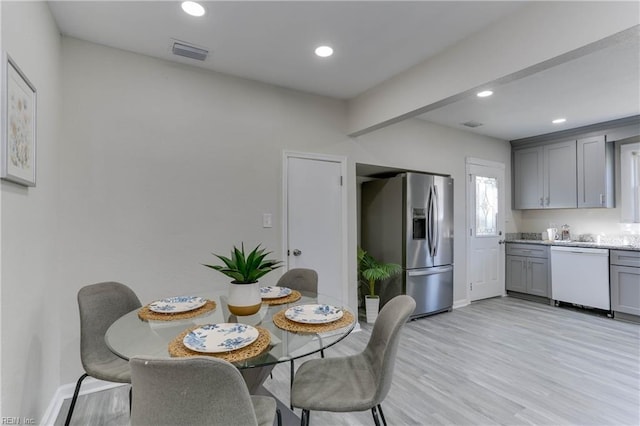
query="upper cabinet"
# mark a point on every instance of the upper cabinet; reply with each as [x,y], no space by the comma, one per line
[560,174]
[595,172]
[630,182]
[574,168]
[527,178]
[545,176]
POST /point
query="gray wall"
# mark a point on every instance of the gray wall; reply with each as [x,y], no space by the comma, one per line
[163,164]
[30,300]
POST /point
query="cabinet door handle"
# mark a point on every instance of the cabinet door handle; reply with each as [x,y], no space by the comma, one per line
[547,200]
[602,199]
[541,201]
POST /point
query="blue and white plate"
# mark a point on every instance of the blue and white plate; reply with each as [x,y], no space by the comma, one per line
[274,292]
[177,304]
[224,337]
[314,314]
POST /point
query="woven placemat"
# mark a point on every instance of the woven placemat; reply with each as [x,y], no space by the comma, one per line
[177,349]
[286,324]
[294,296]
[147,314]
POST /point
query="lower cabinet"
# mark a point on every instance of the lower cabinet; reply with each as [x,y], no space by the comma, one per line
[527,269]
[624,279]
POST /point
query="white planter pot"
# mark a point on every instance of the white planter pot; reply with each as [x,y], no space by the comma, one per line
[372,304]
[244,299]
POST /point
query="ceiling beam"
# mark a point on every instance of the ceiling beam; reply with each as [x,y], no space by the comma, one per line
[537,36]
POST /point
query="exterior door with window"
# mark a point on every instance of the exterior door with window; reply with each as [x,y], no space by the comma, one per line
[485,208]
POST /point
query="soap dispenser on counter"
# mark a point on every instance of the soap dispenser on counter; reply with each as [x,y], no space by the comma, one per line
[565,234]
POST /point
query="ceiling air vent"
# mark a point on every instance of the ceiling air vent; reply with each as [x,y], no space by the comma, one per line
[472,124]
[181,48]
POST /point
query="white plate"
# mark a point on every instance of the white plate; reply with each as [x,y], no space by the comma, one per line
[176,304]
[214,338]
[314,314]
[274,292]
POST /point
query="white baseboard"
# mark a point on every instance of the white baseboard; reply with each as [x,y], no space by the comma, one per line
[460,303]
[89,385]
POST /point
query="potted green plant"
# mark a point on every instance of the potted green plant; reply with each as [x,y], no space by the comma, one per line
[372,271]
[245,270]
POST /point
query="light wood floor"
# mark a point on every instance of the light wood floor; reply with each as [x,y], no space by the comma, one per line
[501,361]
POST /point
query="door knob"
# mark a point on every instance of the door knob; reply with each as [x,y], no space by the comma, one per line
[296,252]
[501,242]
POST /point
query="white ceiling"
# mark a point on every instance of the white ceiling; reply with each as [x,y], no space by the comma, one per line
[273,42]
[599,86]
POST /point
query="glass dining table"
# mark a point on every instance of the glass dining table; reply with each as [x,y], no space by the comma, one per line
[130,335]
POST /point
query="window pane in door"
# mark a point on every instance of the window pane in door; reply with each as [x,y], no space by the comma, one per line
[486,206]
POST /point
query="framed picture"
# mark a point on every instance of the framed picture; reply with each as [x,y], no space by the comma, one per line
[18,125]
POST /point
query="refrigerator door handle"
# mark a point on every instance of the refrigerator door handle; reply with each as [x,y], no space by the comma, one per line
[436,221]
[428,224]
[432,222]
[430,271]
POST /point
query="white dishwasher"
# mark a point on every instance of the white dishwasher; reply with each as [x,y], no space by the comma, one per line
[580,276]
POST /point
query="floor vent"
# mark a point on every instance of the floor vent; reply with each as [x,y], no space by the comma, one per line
[181,48]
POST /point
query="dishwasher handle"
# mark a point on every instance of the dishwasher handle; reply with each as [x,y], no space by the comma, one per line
[580,250]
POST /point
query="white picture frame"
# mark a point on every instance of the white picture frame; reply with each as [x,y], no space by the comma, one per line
[18,114]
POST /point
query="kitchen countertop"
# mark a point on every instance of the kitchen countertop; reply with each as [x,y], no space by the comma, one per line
[605,245]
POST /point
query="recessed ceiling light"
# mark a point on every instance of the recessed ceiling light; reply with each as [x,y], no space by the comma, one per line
[559,120]
[324,51]
[484,93]
[193,8]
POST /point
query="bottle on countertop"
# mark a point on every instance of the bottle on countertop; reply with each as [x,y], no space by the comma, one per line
[566,235]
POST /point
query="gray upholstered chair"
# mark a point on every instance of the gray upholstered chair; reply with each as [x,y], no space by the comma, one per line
[358,382]
[195,391]
[301,279]
[100,305]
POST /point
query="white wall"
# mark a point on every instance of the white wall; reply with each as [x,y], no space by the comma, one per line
[30,300]
[163,164]
[418,145]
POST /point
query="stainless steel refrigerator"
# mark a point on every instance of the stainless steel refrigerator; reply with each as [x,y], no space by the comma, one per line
[408,219]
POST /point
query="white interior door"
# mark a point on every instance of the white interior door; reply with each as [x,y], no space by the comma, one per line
[316,220]
[485,212]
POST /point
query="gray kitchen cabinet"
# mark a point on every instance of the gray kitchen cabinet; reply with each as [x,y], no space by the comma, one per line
[527,269]
[560,175]
[595,173]
[527,178]
[545,176]
[624,279]
[516,279]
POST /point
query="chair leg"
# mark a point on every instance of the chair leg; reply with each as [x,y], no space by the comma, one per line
[73,400]
[279,417]
[321,353]
[304,419]
[384,421]
[374,411]
[130,399]
[291,385]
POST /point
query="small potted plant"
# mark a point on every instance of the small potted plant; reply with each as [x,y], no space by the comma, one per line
[372,271]
[245,270]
